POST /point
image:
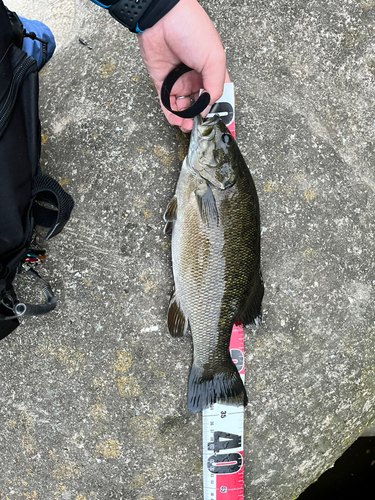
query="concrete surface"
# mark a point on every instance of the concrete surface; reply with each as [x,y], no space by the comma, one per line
[93,397]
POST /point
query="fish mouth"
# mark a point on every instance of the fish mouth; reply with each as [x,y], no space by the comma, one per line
[212,120]
[205,127]
[203,130]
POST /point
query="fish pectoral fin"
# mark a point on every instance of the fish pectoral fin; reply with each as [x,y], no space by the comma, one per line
[251,313]
[171,210]
[170,215]
[207,205]
[177,321]
[168,227]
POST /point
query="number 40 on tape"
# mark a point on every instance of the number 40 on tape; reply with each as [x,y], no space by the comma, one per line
[223,428]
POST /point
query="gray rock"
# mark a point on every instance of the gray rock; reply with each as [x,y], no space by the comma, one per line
[94,395]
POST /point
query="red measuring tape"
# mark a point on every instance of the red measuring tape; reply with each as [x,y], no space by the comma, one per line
[223,424]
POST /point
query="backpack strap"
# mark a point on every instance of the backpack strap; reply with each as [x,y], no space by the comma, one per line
[8,322]
[47,190]
[6,37]
[17,28]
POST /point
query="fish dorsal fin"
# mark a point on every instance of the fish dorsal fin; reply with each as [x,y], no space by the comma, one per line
[177,321]
[207,205]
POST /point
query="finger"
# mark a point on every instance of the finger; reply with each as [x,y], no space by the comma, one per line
[213,76]
[172,119]
[207,109]
[186,85]
[183,102]
[187,126]
[197,94]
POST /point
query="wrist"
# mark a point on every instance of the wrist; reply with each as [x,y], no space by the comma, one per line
[137,15]
[175,20]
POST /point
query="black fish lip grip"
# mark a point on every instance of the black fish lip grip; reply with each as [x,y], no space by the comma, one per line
[195,109]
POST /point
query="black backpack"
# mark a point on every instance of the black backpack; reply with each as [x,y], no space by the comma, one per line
[28,198]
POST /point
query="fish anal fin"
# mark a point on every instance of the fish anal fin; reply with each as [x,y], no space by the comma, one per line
[177,321]
[251,312]
[207,205]
[170,213]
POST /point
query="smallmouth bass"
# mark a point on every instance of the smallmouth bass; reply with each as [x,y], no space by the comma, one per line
[215,223]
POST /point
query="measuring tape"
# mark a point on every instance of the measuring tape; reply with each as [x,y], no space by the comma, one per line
[223,424]
[223,427]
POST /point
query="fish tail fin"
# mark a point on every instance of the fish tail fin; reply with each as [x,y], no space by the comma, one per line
[206,387]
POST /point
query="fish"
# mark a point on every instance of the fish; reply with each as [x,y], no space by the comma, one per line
[214,219]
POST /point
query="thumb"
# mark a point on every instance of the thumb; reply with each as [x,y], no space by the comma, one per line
[213,96]
[214,74]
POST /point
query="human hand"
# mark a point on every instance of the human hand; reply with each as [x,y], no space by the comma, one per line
[185,35]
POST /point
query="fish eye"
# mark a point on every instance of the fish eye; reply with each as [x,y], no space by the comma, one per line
[225,138]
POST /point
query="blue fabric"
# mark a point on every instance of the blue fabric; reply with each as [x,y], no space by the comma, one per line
[34,48]
[102,4]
